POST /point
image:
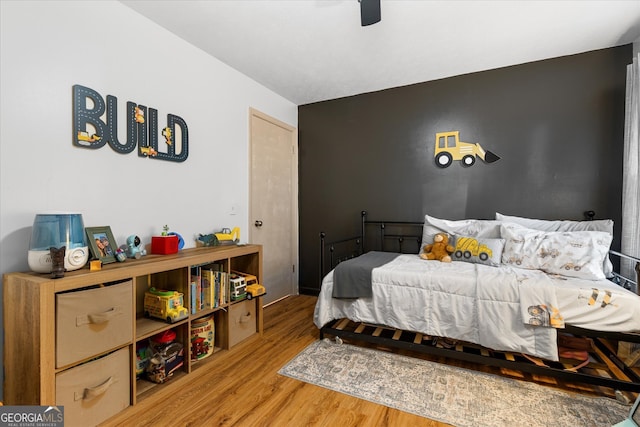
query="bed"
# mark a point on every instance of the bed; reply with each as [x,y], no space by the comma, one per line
[515,297]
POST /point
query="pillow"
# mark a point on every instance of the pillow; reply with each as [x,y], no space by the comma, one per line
[478,250]
[465,227]
[605,225]
[577,254]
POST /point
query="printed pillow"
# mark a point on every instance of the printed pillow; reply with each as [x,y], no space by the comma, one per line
[577,254]
[478,250]
[605,225]
[464,227]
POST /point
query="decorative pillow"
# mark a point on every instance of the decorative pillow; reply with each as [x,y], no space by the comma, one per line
[478,250]
[605,225]
[464,227]
[569,253]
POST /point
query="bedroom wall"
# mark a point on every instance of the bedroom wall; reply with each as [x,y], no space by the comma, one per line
[49,46]
[556,124]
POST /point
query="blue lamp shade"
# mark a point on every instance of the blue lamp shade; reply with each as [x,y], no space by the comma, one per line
[57,230]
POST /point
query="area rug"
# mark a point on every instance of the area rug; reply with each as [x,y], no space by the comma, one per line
[444,393]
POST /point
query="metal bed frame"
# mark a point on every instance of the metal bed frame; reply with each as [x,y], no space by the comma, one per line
[605,368]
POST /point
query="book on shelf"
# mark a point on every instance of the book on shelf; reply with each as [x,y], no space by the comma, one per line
[192,293]
[222,287]
[196,289]
[215,285]
[208,287]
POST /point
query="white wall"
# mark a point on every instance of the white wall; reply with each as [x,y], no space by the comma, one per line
[46,48]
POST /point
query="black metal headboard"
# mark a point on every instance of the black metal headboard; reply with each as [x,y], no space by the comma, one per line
[385,236]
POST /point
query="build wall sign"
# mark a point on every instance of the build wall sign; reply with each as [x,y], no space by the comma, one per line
[95,124]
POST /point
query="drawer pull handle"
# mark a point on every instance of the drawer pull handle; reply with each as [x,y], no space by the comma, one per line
[92,392]
[244,319]
[97,318]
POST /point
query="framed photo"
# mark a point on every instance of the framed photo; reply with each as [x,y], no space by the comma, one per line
[103,245]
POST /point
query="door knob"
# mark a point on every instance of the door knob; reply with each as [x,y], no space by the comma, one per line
[258,223]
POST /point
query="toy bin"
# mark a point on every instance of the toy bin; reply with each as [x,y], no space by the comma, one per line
[242,321]
[166,357]
[93,391]
[202,338]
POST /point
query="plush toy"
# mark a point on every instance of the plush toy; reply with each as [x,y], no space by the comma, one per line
[439,249]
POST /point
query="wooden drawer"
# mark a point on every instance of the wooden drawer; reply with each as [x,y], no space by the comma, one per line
[93,321]
[96,390]
[242,321]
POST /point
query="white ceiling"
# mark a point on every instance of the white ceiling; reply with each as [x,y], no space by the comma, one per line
[314,50]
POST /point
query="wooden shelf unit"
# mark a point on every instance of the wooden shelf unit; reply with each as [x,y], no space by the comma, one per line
[30,317]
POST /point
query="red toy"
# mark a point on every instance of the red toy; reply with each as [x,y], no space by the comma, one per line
[164,245]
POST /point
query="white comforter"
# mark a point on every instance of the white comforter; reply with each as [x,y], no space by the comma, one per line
[481,304]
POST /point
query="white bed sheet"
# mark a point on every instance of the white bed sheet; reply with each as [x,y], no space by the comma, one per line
[479,304]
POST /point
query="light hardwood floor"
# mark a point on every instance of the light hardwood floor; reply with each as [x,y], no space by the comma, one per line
[241,387]
[244,389]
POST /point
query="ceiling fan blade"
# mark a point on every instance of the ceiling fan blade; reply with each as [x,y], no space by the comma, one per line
[369,12]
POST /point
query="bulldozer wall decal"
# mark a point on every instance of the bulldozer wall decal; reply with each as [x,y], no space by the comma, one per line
[449,148]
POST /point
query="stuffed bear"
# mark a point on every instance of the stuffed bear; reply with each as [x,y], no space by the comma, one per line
[439,249]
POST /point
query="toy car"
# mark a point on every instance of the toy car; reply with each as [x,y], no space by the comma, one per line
[255,290]
[238,286]
[252,287]
[166,305]
[84,136]
[148,151]
[228,237]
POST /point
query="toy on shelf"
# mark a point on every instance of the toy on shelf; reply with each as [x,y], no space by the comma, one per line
[228,237]
[164,304]
[167,243]
[224,237]
[134,248]
[121,255]
[238,287]
[202,338]
[143,354]
[252,288]
[167,357]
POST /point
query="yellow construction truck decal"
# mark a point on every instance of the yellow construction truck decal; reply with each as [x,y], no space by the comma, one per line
[468,246]
[449,148]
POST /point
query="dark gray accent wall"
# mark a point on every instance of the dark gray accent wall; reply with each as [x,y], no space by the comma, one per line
[557,125]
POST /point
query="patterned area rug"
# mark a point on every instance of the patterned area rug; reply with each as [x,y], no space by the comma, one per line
[448,394]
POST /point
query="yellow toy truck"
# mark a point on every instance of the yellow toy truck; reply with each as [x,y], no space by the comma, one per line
[228,237]
[252,288]
[166,305]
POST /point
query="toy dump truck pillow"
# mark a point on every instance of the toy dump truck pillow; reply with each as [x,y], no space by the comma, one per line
[478,250]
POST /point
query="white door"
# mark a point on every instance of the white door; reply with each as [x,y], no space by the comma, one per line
[273,213]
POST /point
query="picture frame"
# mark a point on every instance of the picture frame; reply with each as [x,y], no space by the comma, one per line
[102,243]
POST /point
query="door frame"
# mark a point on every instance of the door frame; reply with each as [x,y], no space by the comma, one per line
[253,113]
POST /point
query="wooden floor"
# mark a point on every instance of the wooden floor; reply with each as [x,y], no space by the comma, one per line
[244,388]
